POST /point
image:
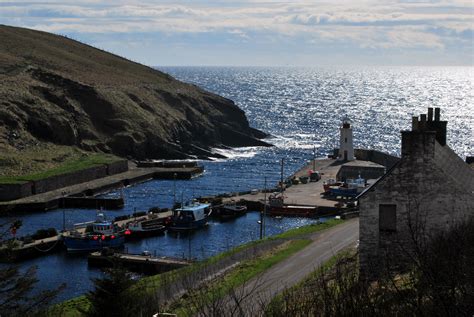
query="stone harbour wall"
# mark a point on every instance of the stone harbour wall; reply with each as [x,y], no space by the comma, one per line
[117,167]
[16,191]
[60,181]
[378,157]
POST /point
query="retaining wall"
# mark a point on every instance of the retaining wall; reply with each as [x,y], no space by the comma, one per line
[378,157]
[17,191]
[366,172]
[117,167]
[59,181]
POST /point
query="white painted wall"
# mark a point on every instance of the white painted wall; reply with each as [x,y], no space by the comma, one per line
[346,143]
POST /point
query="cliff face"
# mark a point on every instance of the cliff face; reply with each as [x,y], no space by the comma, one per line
[57,90]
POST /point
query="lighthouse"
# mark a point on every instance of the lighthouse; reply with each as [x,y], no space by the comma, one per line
[346,146]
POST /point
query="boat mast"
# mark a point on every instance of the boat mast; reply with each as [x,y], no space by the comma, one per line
[264,205]
[314,158]
[174,189]
[281,176]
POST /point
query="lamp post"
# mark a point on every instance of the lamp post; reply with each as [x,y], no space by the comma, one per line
[314,158]
[174,189]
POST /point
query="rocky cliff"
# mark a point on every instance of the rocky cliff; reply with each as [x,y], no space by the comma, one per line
[57,90]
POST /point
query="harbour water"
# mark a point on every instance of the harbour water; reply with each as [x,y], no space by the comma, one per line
[302,109]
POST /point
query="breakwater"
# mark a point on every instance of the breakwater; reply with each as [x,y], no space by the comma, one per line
[69,197]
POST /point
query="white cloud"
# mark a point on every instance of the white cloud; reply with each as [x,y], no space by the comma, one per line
[366,24]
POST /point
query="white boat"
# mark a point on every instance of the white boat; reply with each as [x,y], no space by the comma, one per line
[190,217]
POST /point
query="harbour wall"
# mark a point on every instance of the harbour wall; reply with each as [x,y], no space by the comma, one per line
[21,190]
[15,191]
[375,156]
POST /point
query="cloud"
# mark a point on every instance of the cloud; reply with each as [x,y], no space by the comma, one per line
[366,24]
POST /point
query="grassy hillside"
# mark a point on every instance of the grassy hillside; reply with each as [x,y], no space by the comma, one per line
[60,92]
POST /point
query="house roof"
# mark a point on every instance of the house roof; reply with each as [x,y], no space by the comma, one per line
[378,181]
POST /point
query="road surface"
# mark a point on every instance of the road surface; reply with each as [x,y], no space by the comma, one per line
[259,291]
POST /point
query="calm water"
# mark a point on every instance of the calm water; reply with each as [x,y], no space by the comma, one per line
[301,108]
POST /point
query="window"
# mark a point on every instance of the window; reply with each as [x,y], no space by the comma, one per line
[387,218]
[345,140]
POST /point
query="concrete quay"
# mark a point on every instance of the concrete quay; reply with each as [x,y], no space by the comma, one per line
[309,194]
[141,263]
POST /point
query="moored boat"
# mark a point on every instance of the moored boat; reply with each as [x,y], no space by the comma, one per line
[277,207]
[95,235]
[229,211]
[190,217]
[149,225]
[351,188]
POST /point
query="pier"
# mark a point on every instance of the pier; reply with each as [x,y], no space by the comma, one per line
[26,250]
[142,263]
[68,197]
[308,194]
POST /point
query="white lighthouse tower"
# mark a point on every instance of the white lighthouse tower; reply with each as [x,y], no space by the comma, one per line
[346,146]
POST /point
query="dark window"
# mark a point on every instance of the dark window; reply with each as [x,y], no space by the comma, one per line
[387,218]
[345,140]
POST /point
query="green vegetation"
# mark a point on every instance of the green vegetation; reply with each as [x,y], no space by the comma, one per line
[69,166]
[71,307]
[295,233]
[235,278]
[300,290]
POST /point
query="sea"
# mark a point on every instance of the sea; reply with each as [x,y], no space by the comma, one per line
[301,108]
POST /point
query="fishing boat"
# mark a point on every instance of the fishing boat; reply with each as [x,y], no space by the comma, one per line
[277,207]
[351,188]
[229,211]
[190,217]
[96,235]
[149,225]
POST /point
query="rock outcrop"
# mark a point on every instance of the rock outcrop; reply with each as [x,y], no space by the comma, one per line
[54,89]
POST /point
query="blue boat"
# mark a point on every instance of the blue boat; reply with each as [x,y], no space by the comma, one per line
[190,217]
[92,236]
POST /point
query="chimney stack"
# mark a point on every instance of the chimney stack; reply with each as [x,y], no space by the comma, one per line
[422,124]
[430,114]
[437,114]
[414,123]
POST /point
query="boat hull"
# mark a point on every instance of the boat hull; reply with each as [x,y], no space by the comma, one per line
[83,244]
[293,211]
[188,226]
[226,213]
[146,232]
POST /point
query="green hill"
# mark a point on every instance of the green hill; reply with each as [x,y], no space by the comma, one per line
[58,92]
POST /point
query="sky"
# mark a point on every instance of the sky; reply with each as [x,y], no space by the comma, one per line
[261,33]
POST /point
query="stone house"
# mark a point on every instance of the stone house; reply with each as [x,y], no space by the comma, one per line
[428,190]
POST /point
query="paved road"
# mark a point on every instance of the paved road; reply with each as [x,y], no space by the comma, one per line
[292,270]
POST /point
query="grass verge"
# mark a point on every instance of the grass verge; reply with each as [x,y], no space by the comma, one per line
[299,291]
[69,166]
[237,277]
